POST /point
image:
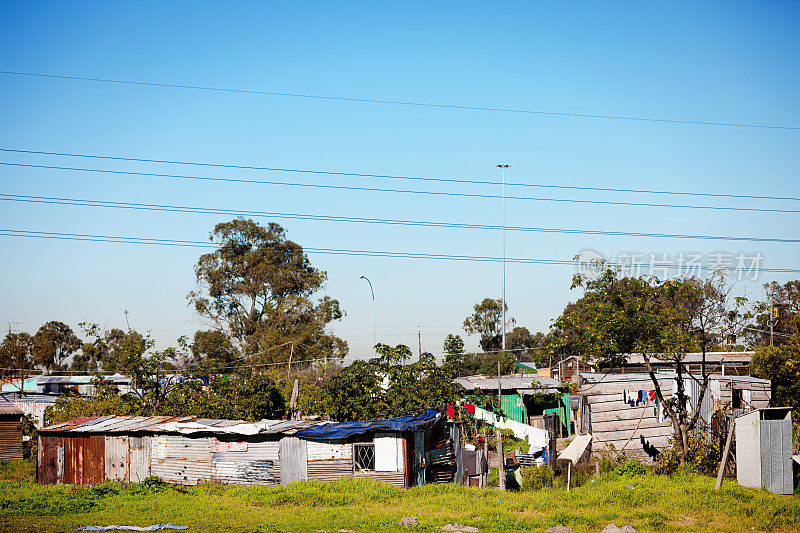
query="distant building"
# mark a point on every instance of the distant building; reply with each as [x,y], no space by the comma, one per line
[65,384]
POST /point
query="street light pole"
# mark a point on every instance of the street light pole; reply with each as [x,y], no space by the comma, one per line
[503,168]
[374,338]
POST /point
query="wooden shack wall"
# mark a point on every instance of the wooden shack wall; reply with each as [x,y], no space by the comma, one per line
[612,422]
[10,437]
[760,393]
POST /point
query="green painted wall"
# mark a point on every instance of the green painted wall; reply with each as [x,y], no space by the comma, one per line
[513,408]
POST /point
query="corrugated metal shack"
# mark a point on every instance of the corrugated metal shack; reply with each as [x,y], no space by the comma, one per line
[402,451]
[620,410]
[10,436]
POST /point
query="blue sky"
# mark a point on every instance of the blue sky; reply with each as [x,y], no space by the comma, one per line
[716,62]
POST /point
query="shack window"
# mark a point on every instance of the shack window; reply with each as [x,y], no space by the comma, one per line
[364,456]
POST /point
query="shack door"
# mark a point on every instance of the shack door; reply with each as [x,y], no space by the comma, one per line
[94,459]
[294,460]
[117,458]
[419,457]
[138,458]
[49,464]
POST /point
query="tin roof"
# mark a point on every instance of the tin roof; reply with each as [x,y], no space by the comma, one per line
[167,424]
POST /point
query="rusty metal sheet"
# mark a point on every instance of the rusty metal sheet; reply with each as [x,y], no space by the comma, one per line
[94,459]
[257,464]
[80,420]
[47,473]
[116,458]
[138,458]
[178,459]
[227,445]
[73,460]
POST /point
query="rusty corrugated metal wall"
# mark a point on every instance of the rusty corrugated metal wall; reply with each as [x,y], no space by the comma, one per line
[51,461]
[245,463]
[72,460]
[329,461]
[179,459]
[94,458]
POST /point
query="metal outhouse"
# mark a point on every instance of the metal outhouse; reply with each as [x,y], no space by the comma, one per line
[764,450]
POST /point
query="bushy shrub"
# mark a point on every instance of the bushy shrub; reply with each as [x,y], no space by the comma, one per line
[702,457]
[537,477]
[631,468]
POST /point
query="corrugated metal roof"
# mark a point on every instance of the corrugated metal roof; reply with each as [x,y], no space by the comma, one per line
[508,382]
[175,425]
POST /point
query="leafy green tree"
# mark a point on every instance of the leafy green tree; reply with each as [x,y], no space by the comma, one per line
[16,355]
[53,344]
[311,386]
[486,363]
[356,393]
[659,320]
[785,306]
[213,351]
[236,397]
[258,287]
[781,365]
[454,354]
[105,401]
[388,385]
[486,321]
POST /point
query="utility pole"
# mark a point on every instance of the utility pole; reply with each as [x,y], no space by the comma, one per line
[419,335]
[501,459]
[503,168]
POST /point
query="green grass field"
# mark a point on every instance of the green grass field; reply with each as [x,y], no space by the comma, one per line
[648,502]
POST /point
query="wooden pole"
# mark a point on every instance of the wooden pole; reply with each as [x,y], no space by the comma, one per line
[501,460]
[725,455]
[485,474]
[569,473]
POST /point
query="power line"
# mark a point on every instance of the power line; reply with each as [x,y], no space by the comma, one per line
[328,251]
[402,102]
[382,176]
[363,220]
[405,191]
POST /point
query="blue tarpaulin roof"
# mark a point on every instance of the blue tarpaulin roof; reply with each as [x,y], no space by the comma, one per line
[343,430]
